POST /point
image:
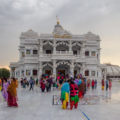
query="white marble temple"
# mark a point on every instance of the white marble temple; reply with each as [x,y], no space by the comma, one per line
[35,105]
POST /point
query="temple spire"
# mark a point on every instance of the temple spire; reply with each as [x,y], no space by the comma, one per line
[57,19]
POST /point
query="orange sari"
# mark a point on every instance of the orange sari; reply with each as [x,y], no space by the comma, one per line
[12,94]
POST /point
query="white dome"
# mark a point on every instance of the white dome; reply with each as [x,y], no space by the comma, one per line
[30,34]
[113,70]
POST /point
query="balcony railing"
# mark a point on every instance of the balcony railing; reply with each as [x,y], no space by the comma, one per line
[64,52]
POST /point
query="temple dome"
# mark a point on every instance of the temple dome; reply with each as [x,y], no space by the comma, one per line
[113,70]
[91,36]
[30,34]
[58,30]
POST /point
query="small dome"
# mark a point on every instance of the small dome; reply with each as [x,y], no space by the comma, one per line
[91,36]
[30,34]
[113,70]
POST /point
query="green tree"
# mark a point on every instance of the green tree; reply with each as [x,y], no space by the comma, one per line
[4,73]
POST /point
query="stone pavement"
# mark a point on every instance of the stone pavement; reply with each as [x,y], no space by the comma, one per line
[34,105]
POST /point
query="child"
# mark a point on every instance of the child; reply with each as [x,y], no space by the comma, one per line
[47,86]
[110,85]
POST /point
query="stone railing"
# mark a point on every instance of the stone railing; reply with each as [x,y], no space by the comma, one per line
[47,55]
[78,55]
[64,52]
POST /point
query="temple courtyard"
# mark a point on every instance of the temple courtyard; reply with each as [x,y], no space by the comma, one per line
[35,105]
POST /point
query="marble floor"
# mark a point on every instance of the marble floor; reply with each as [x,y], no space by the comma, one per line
[34,105]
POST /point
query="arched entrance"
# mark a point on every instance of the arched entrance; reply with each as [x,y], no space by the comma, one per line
[63,68]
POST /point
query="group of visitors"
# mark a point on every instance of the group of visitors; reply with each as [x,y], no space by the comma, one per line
[75,88]
[9,91]
[108,84]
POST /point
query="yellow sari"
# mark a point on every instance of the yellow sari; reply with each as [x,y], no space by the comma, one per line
[0,84]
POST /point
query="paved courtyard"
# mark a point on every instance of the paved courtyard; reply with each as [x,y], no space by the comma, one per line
[34,105]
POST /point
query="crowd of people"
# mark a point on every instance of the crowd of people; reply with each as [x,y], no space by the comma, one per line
[72,89]
[9,91]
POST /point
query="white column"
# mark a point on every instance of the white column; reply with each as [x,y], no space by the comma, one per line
[54,68]
[54,47]
[40,69]
[82,52]
[72,67]
[90,53]
[83,71]
[41,48]
[105,74]
[70,47]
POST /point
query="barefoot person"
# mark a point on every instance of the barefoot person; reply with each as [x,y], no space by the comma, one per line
[74,99]
[65,94]
[4,92]
[12,93]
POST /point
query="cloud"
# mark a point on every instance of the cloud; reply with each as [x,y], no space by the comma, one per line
[77,16]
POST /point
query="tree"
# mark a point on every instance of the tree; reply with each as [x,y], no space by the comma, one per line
[4,73]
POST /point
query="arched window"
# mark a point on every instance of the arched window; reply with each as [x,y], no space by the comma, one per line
[86,53]
[87,73]
[35,52]
[34,72]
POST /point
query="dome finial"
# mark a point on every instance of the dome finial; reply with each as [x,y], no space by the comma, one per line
[57,19]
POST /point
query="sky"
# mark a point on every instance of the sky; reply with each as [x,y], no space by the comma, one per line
[101,17]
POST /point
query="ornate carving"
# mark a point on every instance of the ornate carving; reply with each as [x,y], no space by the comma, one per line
[62,43]
[77,65]
[76,43]
[47,64]
[62,36]
[63,63]
[48,42]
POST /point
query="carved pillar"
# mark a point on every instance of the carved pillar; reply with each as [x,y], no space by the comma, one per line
[70,47]
[40,69]
[54,68]
[83,69]
[105,74]
[82,51]
[54,47]
[72,67]
[41,48]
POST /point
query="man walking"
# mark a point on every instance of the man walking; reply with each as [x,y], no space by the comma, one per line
[106,84]
[31,83]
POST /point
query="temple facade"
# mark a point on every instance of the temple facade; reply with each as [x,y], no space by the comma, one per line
[60,52]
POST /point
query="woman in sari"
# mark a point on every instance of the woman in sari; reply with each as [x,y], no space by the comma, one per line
[4,92]
[0,84]
[12,93]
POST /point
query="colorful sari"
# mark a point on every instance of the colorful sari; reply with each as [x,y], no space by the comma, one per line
[12,94]
[4,92]
[0,84]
